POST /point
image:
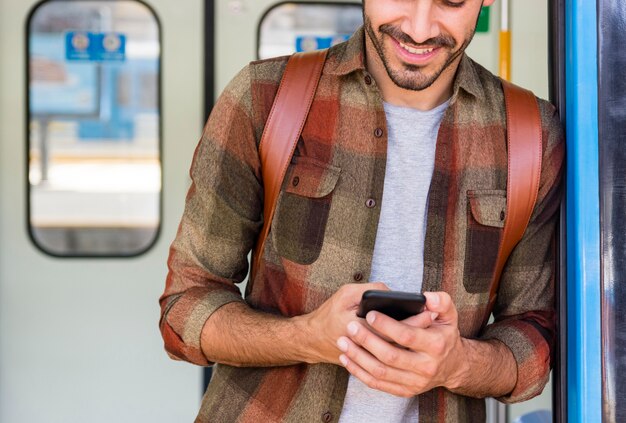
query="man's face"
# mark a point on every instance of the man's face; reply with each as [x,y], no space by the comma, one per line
[417,40]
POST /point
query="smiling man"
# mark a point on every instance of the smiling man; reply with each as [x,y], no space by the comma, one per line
[398,182]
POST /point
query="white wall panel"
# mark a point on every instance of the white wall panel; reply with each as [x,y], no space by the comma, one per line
[79,339]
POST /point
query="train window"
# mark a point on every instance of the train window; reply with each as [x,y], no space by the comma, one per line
[290,27]
[94,156]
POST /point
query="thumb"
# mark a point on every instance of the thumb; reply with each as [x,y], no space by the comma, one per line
[350,295]
[422,320]
[380,286]
[441,303]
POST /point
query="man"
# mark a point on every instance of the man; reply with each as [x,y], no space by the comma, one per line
[399,179]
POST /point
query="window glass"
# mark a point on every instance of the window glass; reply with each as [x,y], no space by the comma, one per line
[290,27]
[94,165]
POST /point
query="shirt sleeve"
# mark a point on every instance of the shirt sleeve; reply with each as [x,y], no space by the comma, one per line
[524,310]
[222,217]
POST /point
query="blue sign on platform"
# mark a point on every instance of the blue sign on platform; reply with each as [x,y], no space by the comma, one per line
[95,46]
[310,43]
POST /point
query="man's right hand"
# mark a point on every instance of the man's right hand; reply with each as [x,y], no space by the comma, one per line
[329,322]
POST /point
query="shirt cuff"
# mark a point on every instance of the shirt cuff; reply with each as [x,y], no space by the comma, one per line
[531,351]
[182,326]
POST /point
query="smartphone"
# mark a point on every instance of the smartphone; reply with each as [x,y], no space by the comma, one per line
[395,304]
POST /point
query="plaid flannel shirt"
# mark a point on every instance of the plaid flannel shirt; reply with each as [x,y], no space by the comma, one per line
[324,229]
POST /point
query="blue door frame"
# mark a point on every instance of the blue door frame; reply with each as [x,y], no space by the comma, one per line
[584,368]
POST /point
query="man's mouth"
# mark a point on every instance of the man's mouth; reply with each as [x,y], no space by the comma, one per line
[414,50]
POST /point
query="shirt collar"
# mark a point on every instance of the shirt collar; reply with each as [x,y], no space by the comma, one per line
[350,57]
[467,79]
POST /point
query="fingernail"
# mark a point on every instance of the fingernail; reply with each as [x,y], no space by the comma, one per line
[342,344]
[353,328]
[371,317]
[343,359]
[434,316]
[435,299]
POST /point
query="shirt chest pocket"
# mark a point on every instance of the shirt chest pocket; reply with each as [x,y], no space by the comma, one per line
[485,223]
[303,207]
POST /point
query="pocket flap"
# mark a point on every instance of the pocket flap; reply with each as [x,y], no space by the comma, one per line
[488,206]
[311,178]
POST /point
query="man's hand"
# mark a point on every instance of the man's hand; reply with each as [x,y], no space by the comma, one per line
[428,351]
[329,322]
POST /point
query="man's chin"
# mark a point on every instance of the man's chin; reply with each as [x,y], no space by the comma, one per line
[413,80]
[412,85]
[419,78]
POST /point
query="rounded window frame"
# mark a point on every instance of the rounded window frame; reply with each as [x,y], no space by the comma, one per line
[156,235]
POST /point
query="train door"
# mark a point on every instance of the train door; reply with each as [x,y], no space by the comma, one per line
[246,30]
[100,111]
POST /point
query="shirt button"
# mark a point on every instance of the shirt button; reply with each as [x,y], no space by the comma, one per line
[327,417]
[358,276]
[370,203]
[295,181]
[378,132]
[368,80]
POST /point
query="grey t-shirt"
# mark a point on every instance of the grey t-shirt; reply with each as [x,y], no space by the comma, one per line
[399,248]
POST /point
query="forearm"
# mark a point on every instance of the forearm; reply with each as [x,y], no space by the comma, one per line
[239,336]
[487,369]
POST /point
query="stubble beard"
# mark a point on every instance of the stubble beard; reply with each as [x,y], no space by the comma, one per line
[412,77]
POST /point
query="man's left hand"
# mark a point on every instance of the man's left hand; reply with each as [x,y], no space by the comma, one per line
[428,350]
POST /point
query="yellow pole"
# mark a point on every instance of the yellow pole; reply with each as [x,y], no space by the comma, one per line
[505,55]
[505,41]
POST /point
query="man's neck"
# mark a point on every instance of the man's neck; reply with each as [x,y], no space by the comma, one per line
[438,93]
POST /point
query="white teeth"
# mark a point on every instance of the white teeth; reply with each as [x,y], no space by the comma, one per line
[416,50]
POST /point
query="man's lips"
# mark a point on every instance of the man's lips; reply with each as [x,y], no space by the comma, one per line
[415,54]
[416,50]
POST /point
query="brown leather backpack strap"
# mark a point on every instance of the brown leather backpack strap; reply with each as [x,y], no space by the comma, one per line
[282,131]
[524,146]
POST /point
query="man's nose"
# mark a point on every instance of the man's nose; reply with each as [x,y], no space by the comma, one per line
[420,22]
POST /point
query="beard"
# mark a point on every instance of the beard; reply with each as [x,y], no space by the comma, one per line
[408,76]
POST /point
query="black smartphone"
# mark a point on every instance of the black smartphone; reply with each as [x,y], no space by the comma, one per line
[395,304]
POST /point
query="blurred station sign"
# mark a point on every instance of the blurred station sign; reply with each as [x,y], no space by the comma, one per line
[95,46]
[310,42]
